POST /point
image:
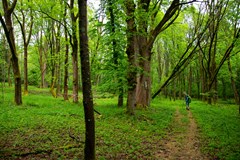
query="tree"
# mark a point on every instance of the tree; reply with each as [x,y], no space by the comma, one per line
[65,84]
[26,38]
[148,30]
[89,150]
[234,88]
[146,40]
[131,53]
[115,50]
[210,46]
[74,44]
[8,29]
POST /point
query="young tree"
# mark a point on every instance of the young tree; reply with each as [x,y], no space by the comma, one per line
[115,50]
[24,24]
[216,12]
[65,83]
[89,150]
[8,29]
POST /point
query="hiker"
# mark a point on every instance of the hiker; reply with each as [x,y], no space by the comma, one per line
[187,100]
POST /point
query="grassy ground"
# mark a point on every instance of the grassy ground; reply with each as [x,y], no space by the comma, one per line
[48,128]
[219,128]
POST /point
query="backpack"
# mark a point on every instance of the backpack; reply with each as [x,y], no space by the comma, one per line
[189,99]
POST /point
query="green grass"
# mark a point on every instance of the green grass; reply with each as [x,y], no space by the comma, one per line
[220,129]
[48,128]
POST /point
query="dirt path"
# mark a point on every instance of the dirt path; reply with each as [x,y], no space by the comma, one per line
[182,143]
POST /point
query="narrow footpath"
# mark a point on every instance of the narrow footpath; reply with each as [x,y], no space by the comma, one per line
[182,142]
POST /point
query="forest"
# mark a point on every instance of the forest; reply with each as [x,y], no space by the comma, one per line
[112,79]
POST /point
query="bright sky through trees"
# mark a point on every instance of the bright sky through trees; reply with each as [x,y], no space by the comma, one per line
[94,3]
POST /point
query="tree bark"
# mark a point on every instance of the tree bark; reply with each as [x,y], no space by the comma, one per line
[115,51]
[130,51]
[65,81]
[235,91]
[146,42]
[89,150]
[74,45]
[9,71]
[58,61]
[8,29]
[26,40]
[190,79]
[42,62]
[52,43]
[143,94]
[224,88]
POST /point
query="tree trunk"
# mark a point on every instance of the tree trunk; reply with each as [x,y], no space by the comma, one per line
[25,91]
[26,40]
[9,71]
[74,45]
[65,92]
[65,81]
[75,75]
[8,29]
[235,91]
[198,78]
[190,77]
[58,61]
[143,96]
[52,43]
[224,88]
[89,150]
[146,41]
[130,51]
[115,52]
[42,63]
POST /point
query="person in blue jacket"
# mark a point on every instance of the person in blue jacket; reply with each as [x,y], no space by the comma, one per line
[187,100]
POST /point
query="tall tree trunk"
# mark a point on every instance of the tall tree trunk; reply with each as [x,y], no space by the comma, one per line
[58,61]
[65,81]
[174,89]
[190,78]
[159,68]
[235,91]
[167,68]
[26,40]
[198,78]
[89,150]
[8,29]
[25,90]
[74,45]
[9,71]
[115,51]
[131,53]
[42,62]
[181,87]
[65,92]
[58,74]
[224,88]
[52,43]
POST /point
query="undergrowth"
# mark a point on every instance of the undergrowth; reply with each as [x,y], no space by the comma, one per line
[50,128]
[220,129]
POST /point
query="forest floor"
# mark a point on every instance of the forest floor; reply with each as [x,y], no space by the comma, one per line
[50,128]
[182,142]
